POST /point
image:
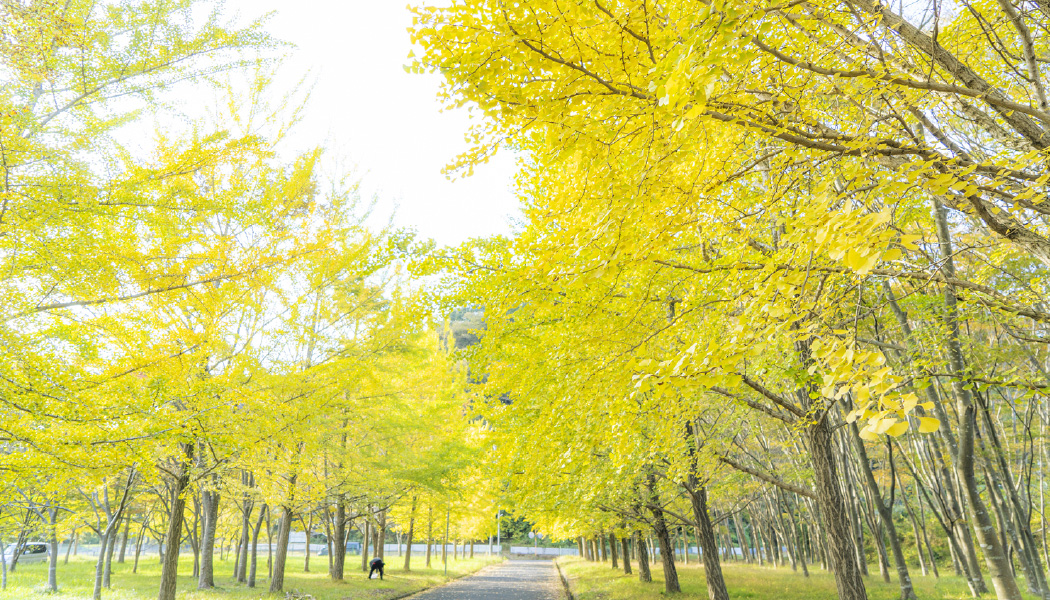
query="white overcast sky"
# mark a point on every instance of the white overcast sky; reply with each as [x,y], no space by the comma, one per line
[387,122]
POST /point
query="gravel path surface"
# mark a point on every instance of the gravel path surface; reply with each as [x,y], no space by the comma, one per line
[511,580]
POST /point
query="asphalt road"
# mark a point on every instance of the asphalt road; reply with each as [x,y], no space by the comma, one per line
[511,580]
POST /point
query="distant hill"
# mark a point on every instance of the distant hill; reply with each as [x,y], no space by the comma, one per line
[464,324]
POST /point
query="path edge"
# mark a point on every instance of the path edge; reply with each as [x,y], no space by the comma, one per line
[407,595]
[564,581]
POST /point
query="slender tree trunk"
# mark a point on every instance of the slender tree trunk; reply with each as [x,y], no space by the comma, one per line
[919,532]
[52,563]
[69,546]
[738,531]
[444,545]
[124,538]
[716,585]
[138,545]
[381,538]
[833,510]
[643,558]
[411,533]
[796,540]
[999,568]
[671,585]
[246,538]
[170,567]
[269,547]
[309,530]
[277,582]
[111,546]
[100,567]
[430,533]
[1016,517]
[255,546]
[885,513]
[339,546]
[329,535]
[625,546]
[365,540]
[210,512]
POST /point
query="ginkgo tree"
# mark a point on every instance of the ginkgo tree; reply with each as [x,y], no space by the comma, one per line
[772,177]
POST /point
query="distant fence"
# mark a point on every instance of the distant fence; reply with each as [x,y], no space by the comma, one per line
[541,551]
[321,549]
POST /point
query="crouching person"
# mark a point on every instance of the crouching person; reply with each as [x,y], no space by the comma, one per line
[377,565]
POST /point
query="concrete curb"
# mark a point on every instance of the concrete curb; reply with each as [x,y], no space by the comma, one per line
[564,581]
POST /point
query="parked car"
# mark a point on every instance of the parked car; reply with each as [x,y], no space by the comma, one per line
[32,552]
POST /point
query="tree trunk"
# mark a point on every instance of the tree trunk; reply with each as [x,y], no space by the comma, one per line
[444,545]
[716,585]
[255,546]
[124,539]
[411,533]
[170,567]
[381,537]
[738,530]
[671,585]
[72,542]
[210,512]
[111,546]
[138,544]
[848,580]
[365,539]
[430,533]
[329,534]
[999,568]
[339,543]
[246,538]
[1017,518]
[625,545]
[643,558]
[309,529]
[885,512]
[277,583]
[269,547]
[52,563]
[832,506]
[918,532]
[612,550]
[194,536]
[100,567]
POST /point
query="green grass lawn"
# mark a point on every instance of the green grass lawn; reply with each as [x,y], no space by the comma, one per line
[76,580]
[598,581]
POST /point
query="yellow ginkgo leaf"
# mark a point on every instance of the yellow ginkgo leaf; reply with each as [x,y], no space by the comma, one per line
[928,424]
[898,429]
[880,425]
[869,435]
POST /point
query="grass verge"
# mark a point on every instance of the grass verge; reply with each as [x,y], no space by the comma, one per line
[599,581]
[76,580]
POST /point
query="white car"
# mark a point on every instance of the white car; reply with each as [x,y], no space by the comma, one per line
[32,552]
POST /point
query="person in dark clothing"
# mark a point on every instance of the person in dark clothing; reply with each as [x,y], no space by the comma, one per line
[377,565]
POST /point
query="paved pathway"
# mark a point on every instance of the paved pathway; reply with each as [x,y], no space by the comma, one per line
[511,580]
